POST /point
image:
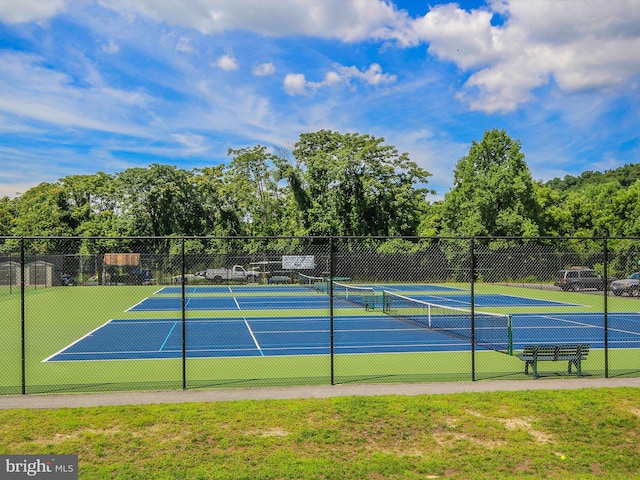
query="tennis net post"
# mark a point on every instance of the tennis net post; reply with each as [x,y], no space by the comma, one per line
[315,283]
[360,295]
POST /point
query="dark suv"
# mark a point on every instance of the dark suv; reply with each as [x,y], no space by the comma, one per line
[576,279]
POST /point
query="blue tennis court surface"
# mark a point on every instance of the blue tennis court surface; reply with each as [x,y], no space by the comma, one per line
[254,337]
[488,300]
[218,289]
[230,289]
[320,301]
[623,329]
[162,338]
[267,302]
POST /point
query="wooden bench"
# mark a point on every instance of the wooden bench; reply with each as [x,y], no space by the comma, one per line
[573,353]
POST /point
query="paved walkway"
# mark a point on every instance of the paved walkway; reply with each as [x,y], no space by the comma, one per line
[320,391]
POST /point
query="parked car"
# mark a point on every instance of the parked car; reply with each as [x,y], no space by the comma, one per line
[235,273]
[630,286]
[579,278]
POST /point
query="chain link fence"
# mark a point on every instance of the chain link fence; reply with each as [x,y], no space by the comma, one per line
[112,314]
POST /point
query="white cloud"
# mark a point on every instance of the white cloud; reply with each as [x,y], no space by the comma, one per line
[581,45]
[466,38]
[227,62]
[297,84]
[264,69]
[347,20]
[24,11]
[193,143]
[31,92]
[577,44]
[183,45]
[372,76]
[111,47]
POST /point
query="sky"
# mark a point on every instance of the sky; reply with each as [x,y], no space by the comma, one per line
[91,86]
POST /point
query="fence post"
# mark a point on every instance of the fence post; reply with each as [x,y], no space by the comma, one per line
[331,323]
[606,308]
[184,315]
[23,320]
[472,272]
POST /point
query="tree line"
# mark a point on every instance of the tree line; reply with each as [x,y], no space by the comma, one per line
[331,183]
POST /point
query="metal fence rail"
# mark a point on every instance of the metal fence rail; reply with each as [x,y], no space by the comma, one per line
[98,314]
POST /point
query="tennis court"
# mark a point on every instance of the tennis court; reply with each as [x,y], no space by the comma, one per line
[233,337]
[226,289]
[623,329]
[121,339]
[296,297]
[278,333]
[270,302]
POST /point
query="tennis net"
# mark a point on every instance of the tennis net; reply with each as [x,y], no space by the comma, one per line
[363,296]
[491,330]
[316,283]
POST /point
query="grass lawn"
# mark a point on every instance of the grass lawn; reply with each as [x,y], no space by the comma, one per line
[578,434]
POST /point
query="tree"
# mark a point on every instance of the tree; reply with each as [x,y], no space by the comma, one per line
[625,211]
[220,214]
[555,217]
[159,200]
[43,211]
[352,184]
[7,220]
[92,203]
[493,192]
[250,179]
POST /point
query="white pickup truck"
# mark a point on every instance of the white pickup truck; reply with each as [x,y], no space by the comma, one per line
[236,273]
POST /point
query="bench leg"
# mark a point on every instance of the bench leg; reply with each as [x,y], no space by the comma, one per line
[526,367]
[534,368]
[578,364]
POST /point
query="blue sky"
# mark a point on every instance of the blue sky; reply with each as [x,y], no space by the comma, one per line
[105,85]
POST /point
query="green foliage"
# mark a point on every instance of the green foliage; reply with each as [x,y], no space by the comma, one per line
[329,183]
[7,220]
[493,192]
[250,180]
[624,211]
[624,176]
[159,200]
[598,203]
[352,184]
[220,215]
[43,211]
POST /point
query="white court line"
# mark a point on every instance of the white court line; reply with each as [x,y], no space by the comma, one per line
[582,324]
[255,340]
[139,303]
[72,344]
